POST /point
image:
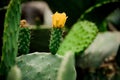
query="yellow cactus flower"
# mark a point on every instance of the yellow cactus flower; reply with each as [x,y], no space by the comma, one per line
[58,20]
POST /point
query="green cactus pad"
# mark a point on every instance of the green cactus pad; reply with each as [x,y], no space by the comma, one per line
[67,68]
[10,36]
[24,41]
[39,66]
[79,37]
[55,39]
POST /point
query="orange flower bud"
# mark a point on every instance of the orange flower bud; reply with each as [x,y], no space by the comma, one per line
[23,23]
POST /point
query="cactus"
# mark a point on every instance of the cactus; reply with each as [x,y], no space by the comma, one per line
[39,66]
[24,39]
[55,39]
[79,37]
[10,36]
[14,73]
[44,66]
[58,21]
[67,68]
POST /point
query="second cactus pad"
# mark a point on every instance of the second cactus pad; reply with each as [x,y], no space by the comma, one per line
[39,66]
[79,37]
[23,41]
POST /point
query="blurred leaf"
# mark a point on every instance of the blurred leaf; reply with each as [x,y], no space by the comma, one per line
[105,45]
[114,18]
[118,57]
[116,77]
[99,12]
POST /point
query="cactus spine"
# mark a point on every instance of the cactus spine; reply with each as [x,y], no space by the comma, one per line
[79,38]
[58,21]
[24,38]
[10,36]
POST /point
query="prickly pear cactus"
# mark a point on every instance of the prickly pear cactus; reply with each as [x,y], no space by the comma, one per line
[24,40]
[79,37]
[14,73]
[58,22]
[10,35]
[39,66]
[55,39]
[67,68]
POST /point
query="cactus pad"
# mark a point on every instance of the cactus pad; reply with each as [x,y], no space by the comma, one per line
[55,39]
[24,41]
[79,37]
[39,66]
[10,35]
[67,68]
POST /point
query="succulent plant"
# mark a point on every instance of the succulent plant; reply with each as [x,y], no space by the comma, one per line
[24,38]
[79,38]
[58,21]
[67,68]
[10,36]
[55,39]
[39,66]
[48,66]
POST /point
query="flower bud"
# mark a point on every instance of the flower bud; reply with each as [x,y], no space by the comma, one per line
[58,20]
